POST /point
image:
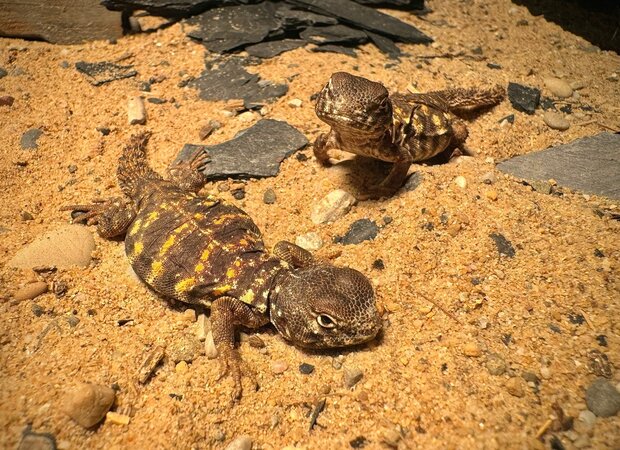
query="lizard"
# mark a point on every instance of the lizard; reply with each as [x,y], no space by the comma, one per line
[401,128]
[201,250]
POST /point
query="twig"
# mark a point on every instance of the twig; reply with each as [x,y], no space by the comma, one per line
[588,321]
[438,305]
[318,408]
[542,430]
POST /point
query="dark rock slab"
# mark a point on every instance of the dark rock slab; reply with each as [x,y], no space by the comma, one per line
[361,230]
[3,73]
[333,34]
[386,45]
[228,28]
[254,153]
[164,8]
[104,72]
[331,48]
[36,441]
[523,98]
[270,49]
[29,139]
[504,246]
[227,79]
[590,164]
[292,19]
[414,180]
[361,16]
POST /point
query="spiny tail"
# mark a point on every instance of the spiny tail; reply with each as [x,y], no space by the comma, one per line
[133,169]
[462,100]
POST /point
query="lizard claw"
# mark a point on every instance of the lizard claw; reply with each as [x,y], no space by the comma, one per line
[230,364]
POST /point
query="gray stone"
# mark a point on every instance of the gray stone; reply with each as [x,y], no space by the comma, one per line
[352,376]
[602,398]
[254,153]
[495,364]
[523,98]
[590,164]
[414,180]
[269,197]
[29,139]
[3,73]
[332,48]
[104,72]
[309,241]
[185,347]
[361,230]
[273,48]
[334,34]
[36,441]
[556,120]
[504,247]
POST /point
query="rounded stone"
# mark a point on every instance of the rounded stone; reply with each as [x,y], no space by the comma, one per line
[460,181]
[602,398]
[556,121]
[332,207]
[30,291]
[185,348]
[88,404]
[64,247]
[515,386]
[269,197]
[240,443]
[309,241]
[495,364]
[472,349]
[279,367]
[352,376]
[558,87]
[210,349]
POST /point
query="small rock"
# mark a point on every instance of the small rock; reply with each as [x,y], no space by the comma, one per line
[37,441]
[29,139]
[309,241]
[189,315]
[332,207]
[540,186]
[588,418]
[460,181]
[578,85]
[240,443]
[557,87]
[495,364]
[504,247]
[295,103]
[472,349]
[116,418]
[255,341]
[414,180]
[523,98]
[136,111]
[72,168]
[556,120]
[279,367]
[210,349]
[337,362]
[73,320]
[491,195]
[454,229]
[26,216]
[392,438]
[203,326]
[67,246]
[602,398]
[488,178]
[352,376]
[88,404]
[184,348]
[545,372]
[30,291]
[306,368]
[6,100]
[269,197]
[515,386]
[3,73]
[181,368]
[361,230]
[149,364]
[156,100]
[103,130]
[247,116]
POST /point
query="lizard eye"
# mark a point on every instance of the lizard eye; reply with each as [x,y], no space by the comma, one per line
[326,321]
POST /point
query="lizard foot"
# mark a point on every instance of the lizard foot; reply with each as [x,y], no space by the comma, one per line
[112,217]
[232,365]
[378,191]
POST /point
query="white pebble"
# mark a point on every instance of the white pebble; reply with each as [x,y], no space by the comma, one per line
[136,111]
[309,241]
[295,103]
[210,349]
[556,121]
[460,181]
[332,207]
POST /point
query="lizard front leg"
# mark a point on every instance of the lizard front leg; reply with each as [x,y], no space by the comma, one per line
[395,179]
[112,217]
[323,143]
[187,174]
[226,314]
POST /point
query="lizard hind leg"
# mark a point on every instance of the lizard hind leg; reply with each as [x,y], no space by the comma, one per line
[187,173]
[133,169]
[112,217]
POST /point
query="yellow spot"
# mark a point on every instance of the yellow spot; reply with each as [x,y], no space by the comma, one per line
[164,206]
[185,285]
[169,242]
[247,296]
[199,267]
[199,216]
[220,290]
[224,218]
[205,254]
[156,268]
[243,241]
[436,120]
[135,227]
[137,248]
[424,110]
[238,262]
[152,216]
[230,273]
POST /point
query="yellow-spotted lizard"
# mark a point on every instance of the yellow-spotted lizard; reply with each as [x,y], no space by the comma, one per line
[202,250]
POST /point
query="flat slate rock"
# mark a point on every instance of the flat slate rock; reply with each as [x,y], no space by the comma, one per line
[291,18]
[231,27]
[523,98]
[336,49]
[254,153]
[386,45]
[590,164]
[29,139]
[270,49]
[227,79]
[333,34]
[361,230]
[164,8]
[104,72]
[364,17]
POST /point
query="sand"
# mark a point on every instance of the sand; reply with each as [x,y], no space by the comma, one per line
[427,382]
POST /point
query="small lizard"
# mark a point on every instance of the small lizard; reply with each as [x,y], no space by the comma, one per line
[202,250]
[400,128]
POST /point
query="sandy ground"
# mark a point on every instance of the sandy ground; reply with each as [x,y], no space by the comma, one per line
[420,389]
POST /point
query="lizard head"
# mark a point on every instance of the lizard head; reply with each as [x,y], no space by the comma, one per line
[352,102]
[324,306]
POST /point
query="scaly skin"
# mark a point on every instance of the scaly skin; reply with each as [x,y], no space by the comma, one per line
[398,128]
[201,250]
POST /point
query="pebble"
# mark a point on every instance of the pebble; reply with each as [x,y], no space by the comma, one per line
[255,341]
[30,291]
[602,398]
[352,376]
[332,207]
[558,87]
[488,178]
[515,386]
[495,364]
[460,181]
[181,368]
[37,441]
[491,195]
[73,320]
[504,246]
[26,216]
[309,241]
[3,72]
[306,368]
[454,229]
[210,349]
[103,130]
[588,418]
[295,103]
[391,438]
[279,367]
[269,197]
[472,349]
[578,85]
[247,116]
[189,315]
[88,404]
[556,121]
[64,247]
[136,111]
[414,180]
[240,443]
[6,100]
[203,325]
[116,418]
[150,363]
[545,372]
[361,230]
[29,139]
[185,348]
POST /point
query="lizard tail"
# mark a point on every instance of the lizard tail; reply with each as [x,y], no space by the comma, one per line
[465,100]
[133,169]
